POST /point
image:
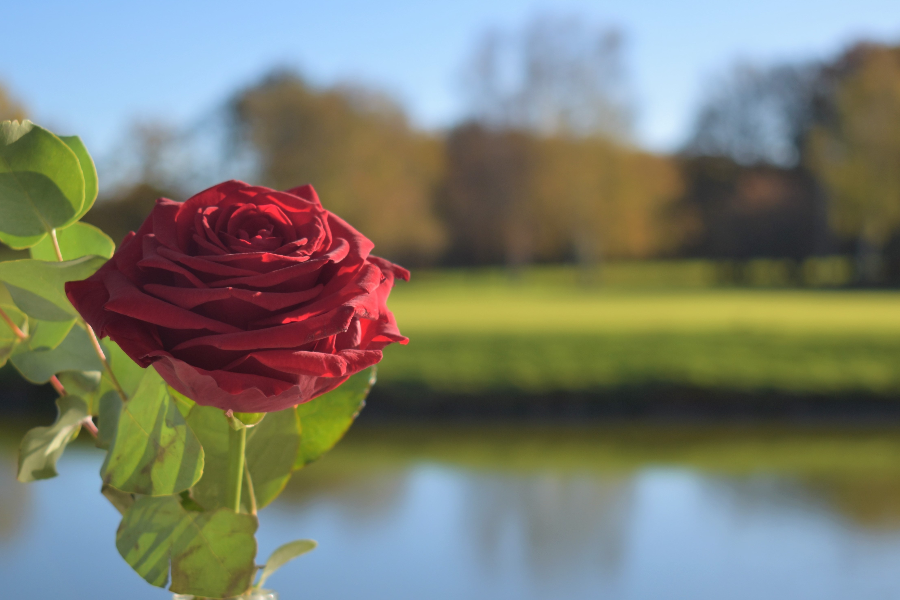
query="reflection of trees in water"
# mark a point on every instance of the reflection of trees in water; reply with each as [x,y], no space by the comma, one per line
[870,501]
[561,522]
[13,498]
[364,493]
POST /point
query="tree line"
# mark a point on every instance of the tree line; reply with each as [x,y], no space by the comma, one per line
[786,161]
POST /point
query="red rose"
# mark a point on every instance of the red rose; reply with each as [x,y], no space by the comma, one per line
[245,298]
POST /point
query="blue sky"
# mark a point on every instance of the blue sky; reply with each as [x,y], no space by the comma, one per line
[90,67]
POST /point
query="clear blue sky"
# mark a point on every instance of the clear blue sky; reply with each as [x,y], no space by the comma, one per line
[89,67]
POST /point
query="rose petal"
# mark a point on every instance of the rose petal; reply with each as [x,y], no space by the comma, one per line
[202,264]
[190,297]
[292,335]
[319,364]
[128,300]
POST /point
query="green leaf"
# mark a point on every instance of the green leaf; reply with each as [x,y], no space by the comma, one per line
[153,452]
[88,172]
[75,353]
[327,418]
[90,385]
[42,446]
[271,452]
[272,449]
[120,500]
[216,555]
[284,555]
[211,553]
[110,411]
[47,334]
[210,425]
[184,403]
[37,286]
[146,534]
[128,373]
[17,242]
[41,183]
[8,339]
[76,240]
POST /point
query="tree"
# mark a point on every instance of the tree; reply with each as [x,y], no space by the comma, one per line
[357,149]
[757,115]
[856,152]
[487,199]
[10,109]
[544,170]
[557,76]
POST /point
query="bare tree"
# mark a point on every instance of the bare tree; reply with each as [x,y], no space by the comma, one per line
[555,76]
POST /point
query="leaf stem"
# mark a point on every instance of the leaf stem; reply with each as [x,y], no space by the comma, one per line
[237,442]
[56,245]
[112,376]
[58,386]
[87,422]
[15,328]
[94,341]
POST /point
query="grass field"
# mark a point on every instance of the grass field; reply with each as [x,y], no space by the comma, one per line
[544,331]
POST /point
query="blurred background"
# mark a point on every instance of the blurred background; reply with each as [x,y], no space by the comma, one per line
[655,304]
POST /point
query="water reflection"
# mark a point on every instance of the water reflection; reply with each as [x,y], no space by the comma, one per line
[559,525]
[514,513]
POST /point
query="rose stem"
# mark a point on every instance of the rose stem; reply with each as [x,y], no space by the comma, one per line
[94,341]
[250,492]
[237,442]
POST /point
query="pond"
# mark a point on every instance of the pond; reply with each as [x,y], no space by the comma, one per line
[507,511]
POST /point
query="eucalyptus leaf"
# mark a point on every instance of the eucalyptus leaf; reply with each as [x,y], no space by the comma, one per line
[8,338]
[88,172]
[90,385]
[38,287]
[326,419]
[153,452]
[283,555]
[41,182]
[47,335]
[210,553]
[76,240]
[75,353]
[42,446]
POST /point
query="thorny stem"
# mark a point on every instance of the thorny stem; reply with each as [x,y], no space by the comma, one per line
[94,341]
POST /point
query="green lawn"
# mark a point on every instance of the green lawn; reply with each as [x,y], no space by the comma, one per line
[544,331]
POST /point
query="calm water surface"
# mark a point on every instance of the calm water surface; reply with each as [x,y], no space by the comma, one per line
[522,512]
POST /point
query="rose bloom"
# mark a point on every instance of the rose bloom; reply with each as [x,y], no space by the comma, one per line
[245,298]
